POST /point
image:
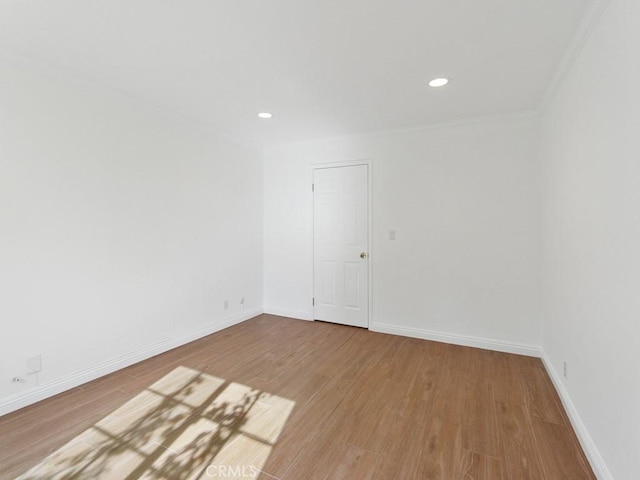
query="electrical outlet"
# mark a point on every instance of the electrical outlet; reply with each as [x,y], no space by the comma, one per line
[226,304]
[564,369]
[242,301]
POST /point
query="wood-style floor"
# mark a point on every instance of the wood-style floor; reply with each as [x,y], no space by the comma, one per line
[367,406]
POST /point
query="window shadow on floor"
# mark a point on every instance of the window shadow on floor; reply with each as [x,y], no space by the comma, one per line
[187,426]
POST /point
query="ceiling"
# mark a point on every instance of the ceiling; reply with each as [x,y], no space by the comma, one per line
[322,67]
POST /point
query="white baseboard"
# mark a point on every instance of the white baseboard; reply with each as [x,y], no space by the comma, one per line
[286,312]
[456,339]
[60,385]
[591,451]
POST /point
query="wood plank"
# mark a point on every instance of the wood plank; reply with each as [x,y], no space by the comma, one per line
[480,467]
[541,399]
[520,453]
[353,463]
[317,458]
[563,458]
[441,455]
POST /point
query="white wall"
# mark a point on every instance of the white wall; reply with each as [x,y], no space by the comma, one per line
[119,228]
[592,149]
[465,202]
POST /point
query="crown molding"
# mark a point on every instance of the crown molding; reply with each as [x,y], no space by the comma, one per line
[585,29]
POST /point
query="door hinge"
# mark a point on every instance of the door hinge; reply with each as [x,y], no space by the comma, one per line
[313,187]
[313,301]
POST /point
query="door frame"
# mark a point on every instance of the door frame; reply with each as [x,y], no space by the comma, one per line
[352,163]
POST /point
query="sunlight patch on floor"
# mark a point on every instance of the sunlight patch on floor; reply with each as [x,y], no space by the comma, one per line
[186,426]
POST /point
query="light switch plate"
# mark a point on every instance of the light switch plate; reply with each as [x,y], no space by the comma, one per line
[34,364]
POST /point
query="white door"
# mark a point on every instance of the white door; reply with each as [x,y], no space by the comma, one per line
[340,245]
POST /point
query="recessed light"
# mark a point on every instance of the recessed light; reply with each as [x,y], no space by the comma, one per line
[438,82]
[265,115]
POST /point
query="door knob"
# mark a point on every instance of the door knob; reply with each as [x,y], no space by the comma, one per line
[363,255]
